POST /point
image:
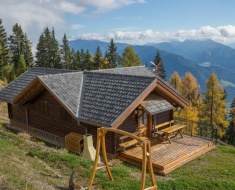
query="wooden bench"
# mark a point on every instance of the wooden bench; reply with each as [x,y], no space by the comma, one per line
[124,145]
[159,132]
[141,133]
[172,129]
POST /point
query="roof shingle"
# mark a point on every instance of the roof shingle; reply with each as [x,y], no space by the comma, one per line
[106,95]
[14,88]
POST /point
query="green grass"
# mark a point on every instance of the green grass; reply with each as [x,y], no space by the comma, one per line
[20,159]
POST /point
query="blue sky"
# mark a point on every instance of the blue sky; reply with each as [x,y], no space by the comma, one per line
[130,21]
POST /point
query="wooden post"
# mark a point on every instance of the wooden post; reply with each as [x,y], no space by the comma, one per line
[144,144]
[150,166]
[150,126]
[144,166]
[96,159]
[105,156]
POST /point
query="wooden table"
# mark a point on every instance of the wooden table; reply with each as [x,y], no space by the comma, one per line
[172,129]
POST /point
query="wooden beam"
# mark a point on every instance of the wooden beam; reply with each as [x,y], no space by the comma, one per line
[33,88]
[170,95]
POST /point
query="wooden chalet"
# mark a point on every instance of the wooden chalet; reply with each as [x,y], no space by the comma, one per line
[51,103]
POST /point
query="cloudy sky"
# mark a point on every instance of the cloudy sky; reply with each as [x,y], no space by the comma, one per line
[130,21]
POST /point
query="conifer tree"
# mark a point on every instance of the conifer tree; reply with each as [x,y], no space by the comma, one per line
[20,45]
[161,68]
[213,108]
[105,64]
[176,81]
[54,52]
[88,62]
[65,53]
[112,54]
[129,58]
[230,132]
[41,53]
[191,90]
[97,58]
[48,52]
[21,66]
[4,50]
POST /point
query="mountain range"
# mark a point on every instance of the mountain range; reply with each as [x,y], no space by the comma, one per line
[201,58]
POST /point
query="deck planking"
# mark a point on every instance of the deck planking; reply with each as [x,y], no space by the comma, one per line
[167,157]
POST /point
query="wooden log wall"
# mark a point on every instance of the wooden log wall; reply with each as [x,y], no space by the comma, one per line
[163,117]
[17,113]
[130,125]
[53,123]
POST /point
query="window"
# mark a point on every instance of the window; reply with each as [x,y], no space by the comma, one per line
[43,108]
[65,116]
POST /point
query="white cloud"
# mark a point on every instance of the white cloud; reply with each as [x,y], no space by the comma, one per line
[71,7]
[222,34]
[107,5]
[35,15]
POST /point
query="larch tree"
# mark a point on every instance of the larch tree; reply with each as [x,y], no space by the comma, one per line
[112,54]
[160,66]
[176,81]
[191,90]
[213,108]
[230,132]
[4,51]
[129,58]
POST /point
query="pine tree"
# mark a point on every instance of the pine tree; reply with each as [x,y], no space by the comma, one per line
[20,45]
[41,53]
[48,52]
[4,51]
[129,58]
[230,132]
[176,81]
[213,108]
[54,52]
[161,68]
[97,58]
[65,53]
[88,62]
[112,54]
[21,66]
[28,54]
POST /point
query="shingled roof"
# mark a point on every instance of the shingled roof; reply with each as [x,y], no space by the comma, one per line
[101,97]
[105,96]
[14,88]
[66,87]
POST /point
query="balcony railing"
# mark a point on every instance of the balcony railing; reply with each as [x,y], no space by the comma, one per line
[198,128]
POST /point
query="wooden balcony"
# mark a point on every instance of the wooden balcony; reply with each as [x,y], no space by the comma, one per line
[168,157]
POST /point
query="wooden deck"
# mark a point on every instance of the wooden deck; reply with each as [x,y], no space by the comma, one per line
[167,157]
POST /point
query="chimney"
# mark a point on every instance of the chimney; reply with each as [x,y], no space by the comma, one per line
[89,151]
